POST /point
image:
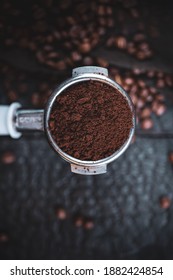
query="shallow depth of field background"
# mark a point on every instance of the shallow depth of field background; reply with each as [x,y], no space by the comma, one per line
[46,212]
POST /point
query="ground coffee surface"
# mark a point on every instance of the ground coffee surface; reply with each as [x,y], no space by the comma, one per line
[90,120]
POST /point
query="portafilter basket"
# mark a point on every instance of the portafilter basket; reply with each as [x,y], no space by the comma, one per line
[15,120]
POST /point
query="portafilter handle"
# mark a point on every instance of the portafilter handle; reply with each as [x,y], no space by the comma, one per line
[14,120]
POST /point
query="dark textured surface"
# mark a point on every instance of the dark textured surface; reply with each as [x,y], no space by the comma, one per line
[124,204]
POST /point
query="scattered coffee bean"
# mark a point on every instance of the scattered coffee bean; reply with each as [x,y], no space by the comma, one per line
[79,222]
[121,42]
[147,123]
[8,157]
[3,238]
[165,202]
[89,224]
[145,113]
[161,108]
[170,157]
[61,213]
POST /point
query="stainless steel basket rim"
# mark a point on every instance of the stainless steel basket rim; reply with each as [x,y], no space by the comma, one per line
[78,79]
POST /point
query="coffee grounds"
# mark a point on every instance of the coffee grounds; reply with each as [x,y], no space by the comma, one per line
[90,120]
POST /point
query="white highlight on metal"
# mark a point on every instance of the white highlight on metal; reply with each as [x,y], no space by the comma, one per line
[7,120]
[89,69]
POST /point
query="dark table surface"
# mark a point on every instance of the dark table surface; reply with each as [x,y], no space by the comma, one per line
[123,204]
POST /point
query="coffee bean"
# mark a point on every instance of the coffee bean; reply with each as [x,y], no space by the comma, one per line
[89,224]
[160,83]
[88,61]
[12,95]
[76,56]
[153,90]
[118,79]
[121,42]
[160,110]
[144,92]
[22,88]
[79,221]
[35,99]
[137,71]
[160,74]
[141,83]
[145,113]
[61,214]
[101,10]
[60,65]
[129,81]
[143,46]
[165,202]
[140,103]
[3,237]
[102,62]
[139,37]
[43,87]
[169,80]
[140,55]
[170,157]
[147,123]
[8,157]
[151,74]
[85,47]
[131,49]
[110,42]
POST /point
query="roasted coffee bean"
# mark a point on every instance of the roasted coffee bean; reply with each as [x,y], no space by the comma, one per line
[79,221]
[160,83]
[140,55]
[140,104]
[160,97]
[169,80]
[12,95]
[137,71]
[102,62]
[8,157]
[85,47]
[23,87]
[153,90]
[131,49]
[151,74]
[88,61]
[35,99]
[143,46]
[145,113]
[144,92]
[165,202]
[141,83]
[160,109]
[118,79]
[129,81]
[139,37]
[170,157]
[61,213]
[3,237]
[121,42]
[89,224]
[60,65]
[76,56]
[110,42]
[147,123]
